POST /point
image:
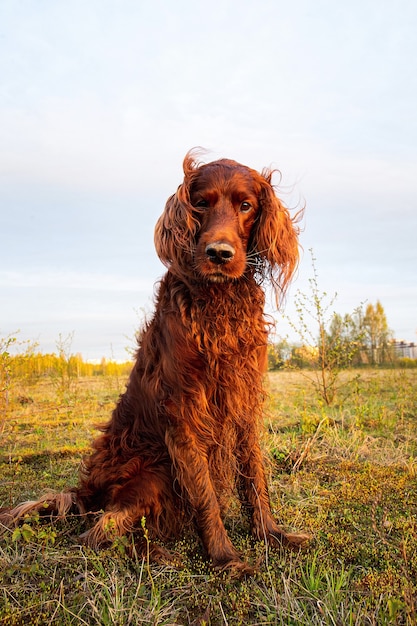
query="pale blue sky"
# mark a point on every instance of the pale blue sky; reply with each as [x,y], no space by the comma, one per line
[101,99]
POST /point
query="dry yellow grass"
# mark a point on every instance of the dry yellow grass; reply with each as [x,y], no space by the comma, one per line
[346,473]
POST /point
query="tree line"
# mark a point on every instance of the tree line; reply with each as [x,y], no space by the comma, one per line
[352,340]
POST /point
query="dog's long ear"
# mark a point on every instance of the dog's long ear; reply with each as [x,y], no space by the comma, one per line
[275,238]
[176,228]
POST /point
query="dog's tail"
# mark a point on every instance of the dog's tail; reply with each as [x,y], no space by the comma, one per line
[56,504]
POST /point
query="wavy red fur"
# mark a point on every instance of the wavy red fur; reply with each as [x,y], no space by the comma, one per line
[185,434]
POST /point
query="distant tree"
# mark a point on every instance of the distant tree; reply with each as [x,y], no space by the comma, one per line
[345,338]
[377,334]
[278,354]
[66,371]
[5,359]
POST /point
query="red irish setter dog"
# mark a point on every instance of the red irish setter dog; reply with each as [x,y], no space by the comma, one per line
[185,434]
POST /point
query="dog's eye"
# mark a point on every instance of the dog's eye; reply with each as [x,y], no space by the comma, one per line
[245,207]
[201,204]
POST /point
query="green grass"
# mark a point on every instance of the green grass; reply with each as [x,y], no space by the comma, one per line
[346,473]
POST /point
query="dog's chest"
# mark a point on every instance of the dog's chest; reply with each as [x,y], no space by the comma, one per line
[225,332]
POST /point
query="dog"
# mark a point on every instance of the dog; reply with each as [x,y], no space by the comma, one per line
[184,436]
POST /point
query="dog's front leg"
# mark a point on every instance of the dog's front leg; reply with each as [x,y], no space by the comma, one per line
[192,473]
[255,493]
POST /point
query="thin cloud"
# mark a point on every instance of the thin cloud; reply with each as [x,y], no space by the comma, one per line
[49,279]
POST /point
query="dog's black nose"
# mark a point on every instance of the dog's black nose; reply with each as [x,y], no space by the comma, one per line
[220,252]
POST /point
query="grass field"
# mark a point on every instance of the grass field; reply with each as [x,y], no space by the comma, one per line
[346,473]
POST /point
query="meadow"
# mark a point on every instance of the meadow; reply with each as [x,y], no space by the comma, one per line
[346,473]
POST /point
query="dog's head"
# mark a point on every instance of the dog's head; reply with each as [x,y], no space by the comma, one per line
[225,222]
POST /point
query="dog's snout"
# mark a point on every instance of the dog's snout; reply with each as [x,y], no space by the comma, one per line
[220,252]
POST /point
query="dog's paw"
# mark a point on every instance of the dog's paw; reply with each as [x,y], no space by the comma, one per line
[236,568]
[290,540]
